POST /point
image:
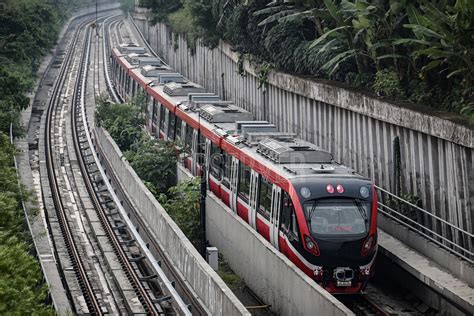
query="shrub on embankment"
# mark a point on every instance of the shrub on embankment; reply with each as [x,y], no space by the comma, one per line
[22,291]
[417,51]
[154,161]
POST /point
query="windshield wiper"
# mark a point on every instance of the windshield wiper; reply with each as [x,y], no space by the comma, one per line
[313,208]
[361,210]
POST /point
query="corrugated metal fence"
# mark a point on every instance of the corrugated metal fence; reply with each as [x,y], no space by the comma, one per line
[424,159]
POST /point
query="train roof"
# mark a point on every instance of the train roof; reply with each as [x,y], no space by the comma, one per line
[127,48]
[235,130]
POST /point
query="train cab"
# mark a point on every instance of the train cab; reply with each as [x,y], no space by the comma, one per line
[338,220]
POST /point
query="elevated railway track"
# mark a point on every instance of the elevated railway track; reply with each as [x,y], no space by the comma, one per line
[105,265]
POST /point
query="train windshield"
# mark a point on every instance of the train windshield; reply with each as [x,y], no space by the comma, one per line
[337,216]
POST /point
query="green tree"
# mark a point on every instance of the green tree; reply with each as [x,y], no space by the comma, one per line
[182,205]
[123,121]
[154,161]
[22,291]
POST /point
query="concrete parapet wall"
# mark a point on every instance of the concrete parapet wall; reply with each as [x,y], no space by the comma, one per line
[458,268]
[436,151]
[274,278]
[215,294]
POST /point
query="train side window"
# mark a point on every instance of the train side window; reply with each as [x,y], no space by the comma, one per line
[171,126]
[244,182]
[227,169]
[287,209]
[154,112]
[179,124]
[215,165]
[265,197]
[188,141]
[162,117]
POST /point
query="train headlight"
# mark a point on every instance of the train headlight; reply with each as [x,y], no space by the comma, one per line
[365,271]
[330,188]
[311,245]
[305,192]
[339,188]
[367,245]
[364,192]
[318,271]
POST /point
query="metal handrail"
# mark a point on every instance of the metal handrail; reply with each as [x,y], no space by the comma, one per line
[428,236]
[426,232]
[426,212]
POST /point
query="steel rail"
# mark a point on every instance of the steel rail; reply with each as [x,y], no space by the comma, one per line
[75,257]
[78,106]
[197,305]
[107,51]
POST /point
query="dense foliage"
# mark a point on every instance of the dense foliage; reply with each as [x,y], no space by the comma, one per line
[154,161]
[182,204]
[122,121]
[28,30]
[21,288]
[420,51]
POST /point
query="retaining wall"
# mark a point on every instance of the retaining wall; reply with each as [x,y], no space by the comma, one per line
[437,152]
[215,294]
[274,278]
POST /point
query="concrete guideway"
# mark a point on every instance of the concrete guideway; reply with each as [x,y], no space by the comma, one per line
[216,296]
[450,288]
[28,170]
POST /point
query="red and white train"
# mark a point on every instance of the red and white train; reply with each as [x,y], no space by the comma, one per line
[320,214]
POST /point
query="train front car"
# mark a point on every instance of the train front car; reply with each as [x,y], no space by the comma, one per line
[337,218]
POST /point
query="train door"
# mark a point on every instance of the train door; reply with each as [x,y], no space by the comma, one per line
[226,191]
[234,184]
[161,120]
[149,110]
[154,117]
[166,121]
[207,159]
[188,146]
[171,126]
[253,199]
[275,215]
[179,129]
[194,152]
[215,170]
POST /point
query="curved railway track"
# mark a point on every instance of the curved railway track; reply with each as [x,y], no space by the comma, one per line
[148,292]
[72,249]
[79,112]
[196,305]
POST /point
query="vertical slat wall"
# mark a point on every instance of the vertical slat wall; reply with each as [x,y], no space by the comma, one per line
[438,170]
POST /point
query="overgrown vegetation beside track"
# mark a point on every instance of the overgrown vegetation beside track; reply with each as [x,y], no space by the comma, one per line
[154,161]
[28,30]
[22,291]
[417,51]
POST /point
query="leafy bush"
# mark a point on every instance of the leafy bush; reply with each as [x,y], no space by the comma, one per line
[122,121]
[21,289]
[388,84]
[154,161]
[353,41]
[359,80]
[182,204]
[418,92]
[281,39]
